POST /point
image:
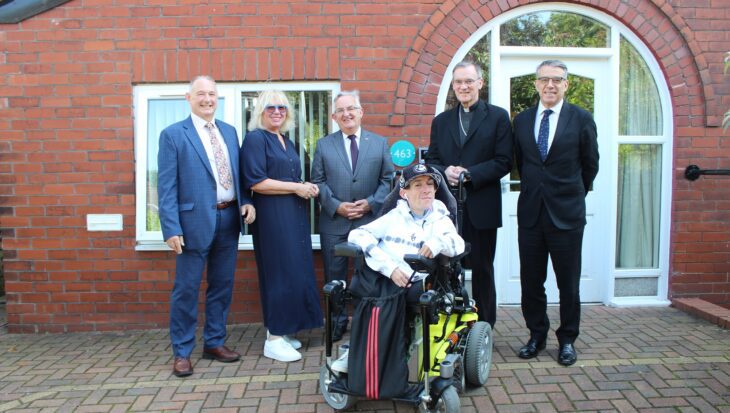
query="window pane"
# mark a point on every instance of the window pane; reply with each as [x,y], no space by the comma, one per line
[639,190]
[313,122]
[479,54]
[161,114]
[639,106]
[554,29]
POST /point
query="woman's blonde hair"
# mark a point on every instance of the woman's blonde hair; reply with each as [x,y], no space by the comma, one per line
[271,97]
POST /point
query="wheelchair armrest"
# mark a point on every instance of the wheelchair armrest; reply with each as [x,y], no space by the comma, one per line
[348,249]
[467,250]
[446,261]
[419,263]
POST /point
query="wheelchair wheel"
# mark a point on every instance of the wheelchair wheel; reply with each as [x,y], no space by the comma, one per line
[478,354]
[448,403]
[337,401]
[459,379]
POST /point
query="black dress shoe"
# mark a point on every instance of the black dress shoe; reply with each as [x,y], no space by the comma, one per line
[531,349]
[567,355]
[338,330]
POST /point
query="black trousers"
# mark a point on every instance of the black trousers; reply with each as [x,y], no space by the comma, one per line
[564,248]
[481,261]
[335,268]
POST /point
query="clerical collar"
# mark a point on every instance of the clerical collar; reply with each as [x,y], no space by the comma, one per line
[470,108]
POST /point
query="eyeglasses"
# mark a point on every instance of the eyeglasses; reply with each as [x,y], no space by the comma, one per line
[274,108]
[467,82]
[545,80]
[340,111]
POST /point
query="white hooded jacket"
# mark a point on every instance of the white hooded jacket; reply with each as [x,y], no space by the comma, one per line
[387,239]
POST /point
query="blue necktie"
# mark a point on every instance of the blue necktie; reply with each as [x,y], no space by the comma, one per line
[542,135]
[353,150]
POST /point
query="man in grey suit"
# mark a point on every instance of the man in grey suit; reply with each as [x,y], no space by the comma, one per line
[352,168]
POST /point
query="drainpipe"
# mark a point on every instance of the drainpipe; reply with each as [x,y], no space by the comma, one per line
[15,11]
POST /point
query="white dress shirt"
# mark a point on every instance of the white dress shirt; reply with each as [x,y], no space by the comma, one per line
[553,119]
[346,142]
[223,195]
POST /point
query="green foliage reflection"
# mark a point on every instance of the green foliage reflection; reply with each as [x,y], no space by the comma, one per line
[554,29]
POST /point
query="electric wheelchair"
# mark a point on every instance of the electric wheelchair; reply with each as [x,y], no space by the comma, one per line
[446,347]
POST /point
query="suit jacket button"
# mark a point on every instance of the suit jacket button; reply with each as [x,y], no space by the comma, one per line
[354,180]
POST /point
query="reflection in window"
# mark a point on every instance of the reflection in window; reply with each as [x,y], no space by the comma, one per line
[312,109]
[161,114]
[639,105]
[480,55]
[639,190]
[554,29]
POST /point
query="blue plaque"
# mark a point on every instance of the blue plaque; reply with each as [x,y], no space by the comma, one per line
[403,153]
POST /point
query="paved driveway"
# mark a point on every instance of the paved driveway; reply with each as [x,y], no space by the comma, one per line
[637,359]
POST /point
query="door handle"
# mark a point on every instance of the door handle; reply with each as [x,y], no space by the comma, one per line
[506,184]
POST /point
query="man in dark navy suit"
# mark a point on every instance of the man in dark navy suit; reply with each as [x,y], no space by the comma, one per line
[202,210]
[556,150]
[475,137]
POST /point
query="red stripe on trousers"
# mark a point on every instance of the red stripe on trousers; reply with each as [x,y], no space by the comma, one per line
[371,356]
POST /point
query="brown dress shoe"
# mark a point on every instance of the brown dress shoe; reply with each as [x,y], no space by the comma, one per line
[182,367]
[221,353]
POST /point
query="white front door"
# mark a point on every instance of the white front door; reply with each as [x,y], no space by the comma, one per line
[596,239]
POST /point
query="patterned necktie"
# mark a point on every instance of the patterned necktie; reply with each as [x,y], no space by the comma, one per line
[353,150]
[221,163]
[542,135]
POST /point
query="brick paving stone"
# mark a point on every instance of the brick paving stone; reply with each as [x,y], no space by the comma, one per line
[561,402]
[141,403]
[193,406]
[94,409]
[669,401]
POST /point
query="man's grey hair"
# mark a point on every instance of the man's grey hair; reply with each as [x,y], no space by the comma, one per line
[553,63]
[354,93]
[467,63]
[196,78]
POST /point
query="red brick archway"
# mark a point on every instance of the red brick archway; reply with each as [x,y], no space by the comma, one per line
[662,28]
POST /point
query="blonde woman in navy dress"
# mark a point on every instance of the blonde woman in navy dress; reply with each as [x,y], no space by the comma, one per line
[271,169]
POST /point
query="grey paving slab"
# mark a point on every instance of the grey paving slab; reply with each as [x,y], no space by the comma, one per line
[630,360]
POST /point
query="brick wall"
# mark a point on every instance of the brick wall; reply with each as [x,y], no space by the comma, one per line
[67,146]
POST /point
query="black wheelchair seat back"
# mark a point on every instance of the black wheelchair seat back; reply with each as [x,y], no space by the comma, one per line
[442,194]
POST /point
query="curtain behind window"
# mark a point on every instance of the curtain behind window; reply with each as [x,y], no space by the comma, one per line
[639,168]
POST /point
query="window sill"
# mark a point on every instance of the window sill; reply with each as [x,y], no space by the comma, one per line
[242,246]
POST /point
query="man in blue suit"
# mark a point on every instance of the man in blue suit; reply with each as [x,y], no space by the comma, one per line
[202,209]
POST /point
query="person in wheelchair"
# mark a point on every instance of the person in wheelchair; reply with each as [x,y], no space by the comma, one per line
[418,224]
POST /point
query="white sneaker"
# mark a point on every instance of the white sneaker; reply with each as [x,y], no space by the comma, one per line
[340,365]
[280,350]
[293,342]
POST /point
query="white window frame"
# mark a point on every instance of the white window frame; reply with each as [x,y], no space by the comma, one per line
[232,114]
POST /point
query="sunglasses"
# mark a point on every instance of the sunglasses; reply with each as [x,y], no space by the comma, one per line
[274,108]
